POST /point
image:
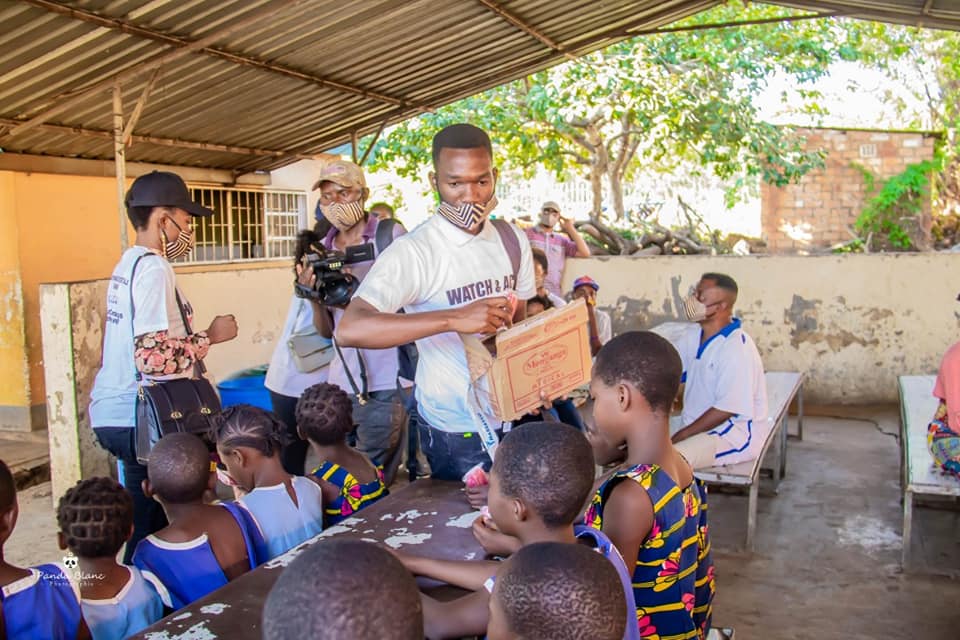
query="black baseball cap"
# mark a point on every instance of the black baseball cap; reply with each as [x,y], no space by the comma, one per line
[164,189]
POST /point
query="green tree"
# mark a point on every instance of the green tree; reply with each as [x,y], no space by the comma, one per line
[666,100]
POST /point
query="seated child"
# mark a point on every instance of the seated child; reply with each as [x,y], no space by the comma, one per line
[40,602]
[538,304]
[204,546]
[287,509]
[652,507]
[555,591]
[343,590]
[943,434]
[541,478]
[601,327]
[96,519]
[347,478]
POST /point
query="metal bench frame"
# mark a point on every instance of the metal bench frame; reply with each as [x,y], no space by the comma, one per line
[918,475]
[787,385]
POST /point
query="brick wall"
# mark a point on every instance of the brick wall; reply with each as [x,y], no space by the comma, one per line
[815,214]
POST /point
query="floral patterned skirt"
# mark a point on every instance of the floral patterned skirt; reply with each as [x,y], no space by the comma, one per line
[944,443]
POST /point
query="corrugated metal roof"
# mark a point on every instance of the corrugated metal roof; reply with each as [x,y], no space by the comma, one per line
[253,84]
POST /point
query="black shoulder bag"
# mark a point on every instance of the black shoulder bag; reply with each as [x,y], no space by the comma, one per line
[171,406]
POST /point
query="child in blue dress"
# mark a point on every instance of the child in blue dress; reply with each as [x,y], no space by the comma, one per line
[204,546]
[348,479]
[95,518]
[652,507]
[39,602]
[287,509]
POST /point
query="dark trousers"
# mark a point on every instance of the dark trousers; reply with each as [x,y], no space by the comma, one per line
[563,410]
[294,454]
[450,454]
[148,516]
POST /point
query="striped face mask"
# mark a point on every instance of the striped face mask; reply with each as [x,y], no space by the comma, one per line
[343,215]
[468,214]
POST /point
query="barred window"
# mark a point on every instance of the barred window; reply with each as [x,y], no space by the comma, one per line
[249,224]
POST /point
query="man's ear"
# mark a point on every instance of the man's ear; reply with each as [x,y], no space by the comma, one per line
[432,179]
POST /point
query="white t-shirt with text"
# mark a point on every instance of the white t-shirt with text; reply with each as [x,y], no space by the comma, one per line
[438,266]
[113,399]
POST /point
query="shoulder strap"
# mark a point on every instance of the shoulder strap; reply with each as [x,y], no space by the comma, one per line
[510,244]
[133,308]
[602,543]
[384,234]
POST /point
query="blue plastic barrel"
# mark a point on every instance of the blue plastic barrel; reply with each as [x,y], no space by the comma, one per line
[245,387]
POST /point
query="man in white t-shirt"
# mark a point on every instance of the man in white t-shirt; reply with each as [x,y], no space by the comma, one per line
[724,419]
[452,274]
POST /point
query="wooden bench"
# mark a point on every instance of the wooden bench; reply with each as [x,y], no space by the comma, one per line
[918,474]
[782,387]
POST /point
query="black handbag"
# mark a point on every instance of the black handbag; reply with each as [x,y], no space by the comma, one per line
[171,406]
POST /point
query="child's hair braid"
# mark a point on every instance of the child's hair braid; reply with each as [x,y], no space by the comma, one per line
[245,425]
[96,516]
[325,414]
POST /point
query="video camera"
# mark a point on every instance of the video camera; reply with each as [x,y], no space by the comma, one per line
[333,287]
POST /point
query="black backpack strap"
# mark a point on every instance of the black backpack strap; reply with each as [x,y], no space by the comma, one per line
[384,234]
[511,244]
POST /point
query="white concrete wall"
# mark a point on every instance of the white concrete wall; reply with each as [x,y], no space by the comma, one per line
[853,323]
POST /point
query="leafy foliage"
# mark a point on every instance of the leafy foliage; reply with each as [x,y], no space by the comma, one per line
[669,100]
[893,205]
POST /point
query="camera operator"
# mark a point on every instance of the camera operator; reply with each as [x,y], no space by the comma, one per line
[369,376]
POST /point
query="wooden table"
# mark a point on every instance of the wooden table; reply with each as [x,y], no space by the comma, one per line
[427,517]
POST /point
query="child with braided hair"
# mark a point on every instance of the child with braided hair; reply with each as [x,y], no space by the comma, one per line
[347,478]
[287,509]
[204,546]
[39,602]
[95,518]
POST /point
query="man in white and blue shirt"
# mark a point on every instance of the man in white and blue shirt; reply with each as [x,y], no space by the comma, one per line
[724,419]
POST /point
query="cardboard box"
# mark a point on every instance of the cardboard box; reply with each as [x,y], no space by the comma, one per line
[547,354]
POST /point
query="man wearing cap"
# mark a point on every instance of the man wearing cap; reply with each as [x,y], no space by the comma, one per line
[151,336]
[369,376]
[601,329]
[557,247]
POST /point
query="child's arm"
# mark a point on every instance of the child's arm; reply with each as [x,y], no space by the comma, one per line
[628,519]
[466,616]
[466,574]
[83,632]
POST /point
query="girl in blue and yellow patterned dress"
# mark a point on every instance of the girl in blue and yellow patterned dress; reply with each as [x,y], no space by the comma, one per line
[347,478]
[652,507]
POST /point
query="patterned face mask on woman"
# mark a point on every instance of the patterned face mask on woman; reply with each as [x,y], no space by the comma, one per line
[180,246]
[343,215]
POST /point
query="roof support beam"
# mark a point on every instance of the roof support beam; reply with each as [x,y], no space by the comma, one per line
[166,142]
[157,61]
[520,24]
[176,41]
[120,163]
[138,108]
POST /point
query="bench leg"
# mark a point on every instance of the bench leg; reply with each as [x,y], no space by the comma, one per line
[800,413]
[752,515]
[907,527]
[785,427]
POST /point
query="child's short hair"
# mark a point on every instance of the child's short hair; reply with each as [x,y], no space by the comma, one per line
[179,468]
[541,258]
[325,414]
[560,591]
[95,517]
[344,589]
[645,360]
[244,425]
[549,466]
[8,490]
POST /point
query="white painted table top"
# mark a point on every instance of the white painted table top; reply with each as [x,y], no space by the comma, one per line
[917,406]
